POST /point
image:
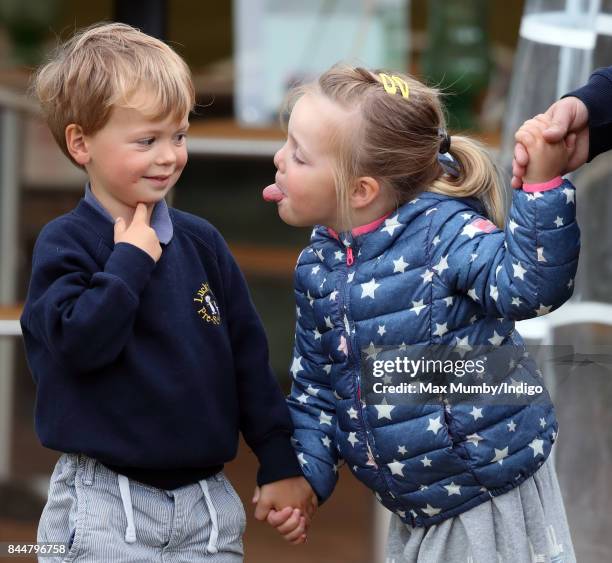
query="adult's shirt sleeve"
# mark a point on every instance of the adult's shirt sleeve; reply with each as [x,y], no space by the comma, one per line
[597,97]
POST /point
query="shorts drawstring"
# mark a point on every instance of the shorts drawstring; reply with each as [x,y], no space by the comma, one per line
[126,499]
[214,532]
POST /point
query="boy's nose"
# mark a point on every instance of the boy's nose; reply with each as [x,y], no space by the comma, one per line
[166,155]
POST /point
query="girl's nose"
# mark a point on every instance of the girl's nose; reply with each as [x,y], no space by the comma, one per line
[279,160]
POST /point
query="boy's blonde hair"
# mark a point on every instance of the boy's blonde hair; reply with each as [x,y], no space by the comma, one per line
[397,141]
[106,65]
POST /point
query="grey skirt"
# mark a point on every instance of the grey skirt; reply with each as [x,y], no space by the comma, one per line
[525,525]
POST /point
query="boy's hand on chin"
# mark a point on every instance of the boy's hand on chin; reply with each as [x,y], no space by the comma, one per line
[139,233]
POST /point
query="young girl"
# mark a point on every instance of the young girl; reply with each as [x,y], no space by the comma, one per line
[409,249]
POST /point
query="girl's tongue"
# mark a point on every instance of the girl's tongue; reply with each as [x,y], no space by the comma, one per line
[273,193]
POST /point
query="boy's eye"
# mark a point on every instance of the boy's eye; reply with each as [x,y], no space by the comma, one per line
[180,138]
[146,142]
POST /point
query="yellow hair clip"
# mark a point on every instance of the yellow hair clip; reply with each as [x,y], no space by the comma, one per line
[392,83]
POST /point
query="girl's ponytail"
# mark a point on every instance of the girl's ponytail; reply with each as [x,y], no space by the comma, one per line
[478,177]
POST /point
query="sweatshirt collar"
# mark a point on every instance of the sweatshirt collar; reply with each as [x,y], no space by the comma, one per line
[160,218]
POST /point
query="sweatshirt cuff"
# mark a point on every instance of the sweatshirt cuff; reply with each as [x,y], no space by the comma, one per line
[543,186]
[131,264]
[277,460]
[595,95]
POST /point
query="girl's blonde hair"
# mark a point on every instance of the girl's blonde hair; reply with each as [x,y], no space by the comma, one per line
[107,65]
[397,142]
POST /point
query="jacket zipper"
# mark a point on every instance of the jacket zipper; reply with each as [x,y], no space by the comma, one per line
[350,260]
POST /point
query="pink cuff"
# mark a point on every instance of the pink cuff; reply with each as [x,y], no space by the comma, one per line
[544,186]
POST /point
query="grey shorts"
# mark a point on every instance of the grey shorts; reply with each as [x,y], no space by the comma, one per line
[103,517]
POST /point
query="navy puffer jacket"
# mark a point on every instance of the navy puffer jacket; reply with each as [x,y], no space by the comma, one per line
[434,272]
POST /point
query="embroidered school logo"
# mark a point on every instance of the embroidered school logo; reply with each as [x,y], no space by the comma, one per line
[207,306]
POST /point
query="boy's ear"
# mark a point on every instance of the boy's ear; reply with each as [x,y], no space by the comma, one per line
[365,190]
[75,142]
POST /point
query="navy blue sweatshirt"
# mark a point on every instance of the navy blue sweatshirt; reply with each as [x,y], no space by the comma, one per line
[597,97]
[152,369]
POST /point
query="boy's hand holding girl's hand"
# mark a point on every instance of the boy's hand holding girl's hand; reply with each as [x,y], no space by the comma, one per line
[139,233]
[547,160]
[287,505]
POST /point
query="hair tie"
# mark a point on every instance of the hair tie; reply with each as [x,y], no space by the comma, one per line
[445,141]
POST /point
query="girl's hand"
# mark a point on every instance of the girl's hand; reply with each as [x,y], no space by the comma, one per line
[546,160]
[289,523]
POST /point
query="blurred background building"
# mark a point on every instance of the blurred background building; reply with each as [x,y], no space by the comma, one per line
[498,63]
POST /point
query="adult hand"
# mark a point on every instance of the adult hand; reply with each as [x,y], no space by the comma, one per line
[568,115]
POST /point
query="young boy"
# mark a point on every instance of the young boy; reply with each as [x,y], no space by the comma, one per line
[148,354]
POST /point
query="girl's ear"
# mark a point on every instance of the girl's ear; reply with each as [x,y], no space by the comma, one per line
[364,192]
[76,144]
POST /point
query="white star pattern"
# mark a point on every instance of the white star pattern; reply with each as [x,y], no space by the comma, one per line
[315,270]
[570,283]
[496,339]
[430,211]
[296,366]
[516,301]
[537,447]
[543,309]
[326,441]
[317,334]
[462,345]
[558,222]
[436,241]
[399,265]
[342,347]
[381,330]
[493,292]
[372,351]
[369,288]
[417,307]
[396,468]
[426,462]
[474,439]
[384,411]
[441,329]
[350,277]
[391,225]
[472,294]
[519,271]
[466,216]
[569,194]
[543,422]
[302,399]
[476,413]
[541,257]
[427,276]
[473,257]
[449,301]
[453,489]
[325,418]
[302,459]
[339,255]
[352,413]
[328,322]
[434,425]
[352,438]
[430,510]
[313,391]
[470,230]
[511,426]
[512,225]
[500,455]
[441,265]
[333,295]
[402,450]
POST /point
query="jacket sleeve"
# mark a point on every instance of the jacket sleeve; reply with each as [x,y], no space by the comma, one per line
[597,97]
[265,422]
[312,402]
[522,272]
[83,315]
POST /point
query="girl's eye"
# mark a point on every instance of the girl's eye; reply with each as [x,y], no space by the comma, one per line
[296,159]
[180,138]
[146,142]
